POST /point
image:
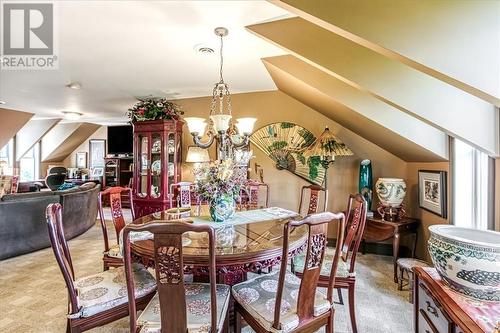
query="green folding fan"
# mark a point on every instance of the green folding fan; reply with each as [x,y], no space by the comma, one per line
[284,143]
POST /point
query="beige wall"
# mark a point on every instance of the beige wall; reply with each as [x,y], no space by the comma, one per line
[70,161]
[497,194]
[427,218]
[12,121]
[275,106]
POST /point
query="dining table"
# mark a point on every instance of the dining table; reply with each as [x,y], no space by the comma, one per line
[249,241]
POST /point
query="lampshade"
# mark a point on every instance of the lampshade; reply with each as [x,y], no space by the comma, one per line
[245,125]
[197,155]
[327,146]
[221,122]
[196,125]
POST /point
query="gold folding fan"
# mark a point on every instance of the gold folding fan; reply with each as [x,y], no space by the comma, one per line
[285,143]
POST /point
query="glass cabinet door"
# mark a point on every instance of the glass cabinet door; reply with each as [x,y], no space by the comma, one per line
[171,158]
[156,165]
[143,166]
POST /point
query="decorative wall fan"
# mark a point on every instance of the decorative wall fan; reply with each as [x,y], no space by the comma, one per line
[285,143]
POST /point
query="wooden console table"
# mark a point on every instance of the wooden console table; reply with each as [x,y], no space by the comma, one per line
[378,230]
[438,309]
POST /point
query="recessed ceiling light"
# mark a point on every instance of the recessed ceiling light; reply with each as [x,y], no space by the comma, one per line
[2,102]
[75,85]
[70,115]
[201,48]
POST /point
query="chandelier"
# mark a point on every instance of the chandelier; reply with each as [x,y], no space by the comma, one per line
[220,125]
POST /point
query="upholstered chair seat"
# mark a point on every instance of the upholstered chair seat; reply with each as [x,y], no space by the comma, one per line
[198,309]
[258,295]
[114,252]
[342,268]
[108,289]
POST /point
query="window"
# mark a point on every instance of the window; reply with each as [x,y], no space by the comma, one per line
[30,164]
[7,158]
[472,187]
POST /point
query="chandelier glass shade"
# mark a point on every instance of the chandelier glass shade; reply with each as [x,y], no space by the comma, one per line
[220,125]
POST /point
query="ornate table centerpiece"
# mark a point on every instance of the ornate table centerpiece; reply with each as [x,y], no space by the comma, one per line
[219,185]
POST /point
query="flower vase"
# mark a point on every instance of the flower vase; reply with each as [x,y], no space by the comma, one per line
[222,207]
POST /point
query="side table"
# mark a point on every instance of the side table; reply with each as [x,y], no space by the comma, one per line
[378,230]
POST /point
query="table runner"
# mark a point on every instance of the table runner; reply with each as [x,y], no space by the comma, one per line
[239,218]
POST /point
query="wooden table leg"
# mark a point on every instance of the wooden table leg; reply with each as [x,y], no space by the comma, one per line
[395,253]
[415,241]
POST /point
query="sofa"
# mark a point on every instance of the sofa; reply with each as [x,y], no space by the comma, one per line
[23,227]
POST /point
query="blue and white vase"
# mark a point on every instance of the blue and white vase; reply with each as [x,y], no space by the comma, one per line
[222,207]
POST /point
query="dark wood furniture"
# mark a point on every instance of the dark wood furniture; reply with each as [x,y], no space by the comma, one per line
[113,195]
[249,248]
[314,197]
[250,193]
[310,318]
[346,276]
[172,299]
[157,163]
[82,315]
[378,230]
[438,309]
[117,171]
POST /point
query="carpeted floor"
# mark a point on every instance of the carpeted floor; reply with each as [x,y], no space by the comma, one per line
[33,296]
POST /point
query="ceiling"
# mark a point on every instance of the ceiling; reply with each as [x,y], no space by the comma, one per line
[120,50]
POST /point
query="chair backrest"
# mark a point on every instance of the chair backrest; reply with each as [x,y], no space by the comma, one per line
[183,190]
[58,170]
[61,251]
[355,227]
[251,192]
[317,225]
[115,203]
[314,198]
[55,180]
[169,269]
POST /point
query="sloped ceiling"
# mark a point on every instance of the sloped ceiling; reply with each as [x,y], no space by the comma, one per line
[63,139]
[418,94]
[406,137]
[11,121]
[31,133]
[456,41]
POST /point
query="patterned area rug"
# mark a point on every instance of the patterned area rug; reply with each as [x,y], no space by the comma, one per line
[33,296]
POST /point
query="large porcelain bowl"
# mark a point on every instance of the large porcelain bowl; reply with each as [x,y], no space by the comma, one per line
[390,191]
[468,260]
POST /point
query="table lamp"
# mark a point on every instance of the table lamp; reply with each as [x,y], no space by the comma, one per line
[197,155]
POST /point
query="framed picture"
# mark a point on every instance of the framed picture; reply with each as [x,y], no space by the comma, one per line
[97,152]
[81,160]
[432,194]
[97,172]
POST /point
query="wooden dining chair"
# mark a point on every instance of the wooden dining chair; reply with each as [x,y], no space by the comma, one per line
[177,306]
[314,198]
[346,275]
[112,256]
[182,193]
[97,299]
[250,193]
[280,301]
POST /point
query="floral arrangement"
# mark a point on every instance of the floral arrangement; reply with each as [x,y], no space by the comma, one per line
[154,109]
[217,179]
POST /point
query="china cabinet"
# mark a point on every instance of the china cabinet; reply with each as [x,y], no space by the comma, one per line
[157,163]
[117,171]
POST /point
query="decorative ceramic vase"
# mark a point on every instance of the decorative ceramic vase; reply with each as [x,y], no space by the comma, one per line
[468,260]
[222,207]
[366,182]
[224,236]
[391,191]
